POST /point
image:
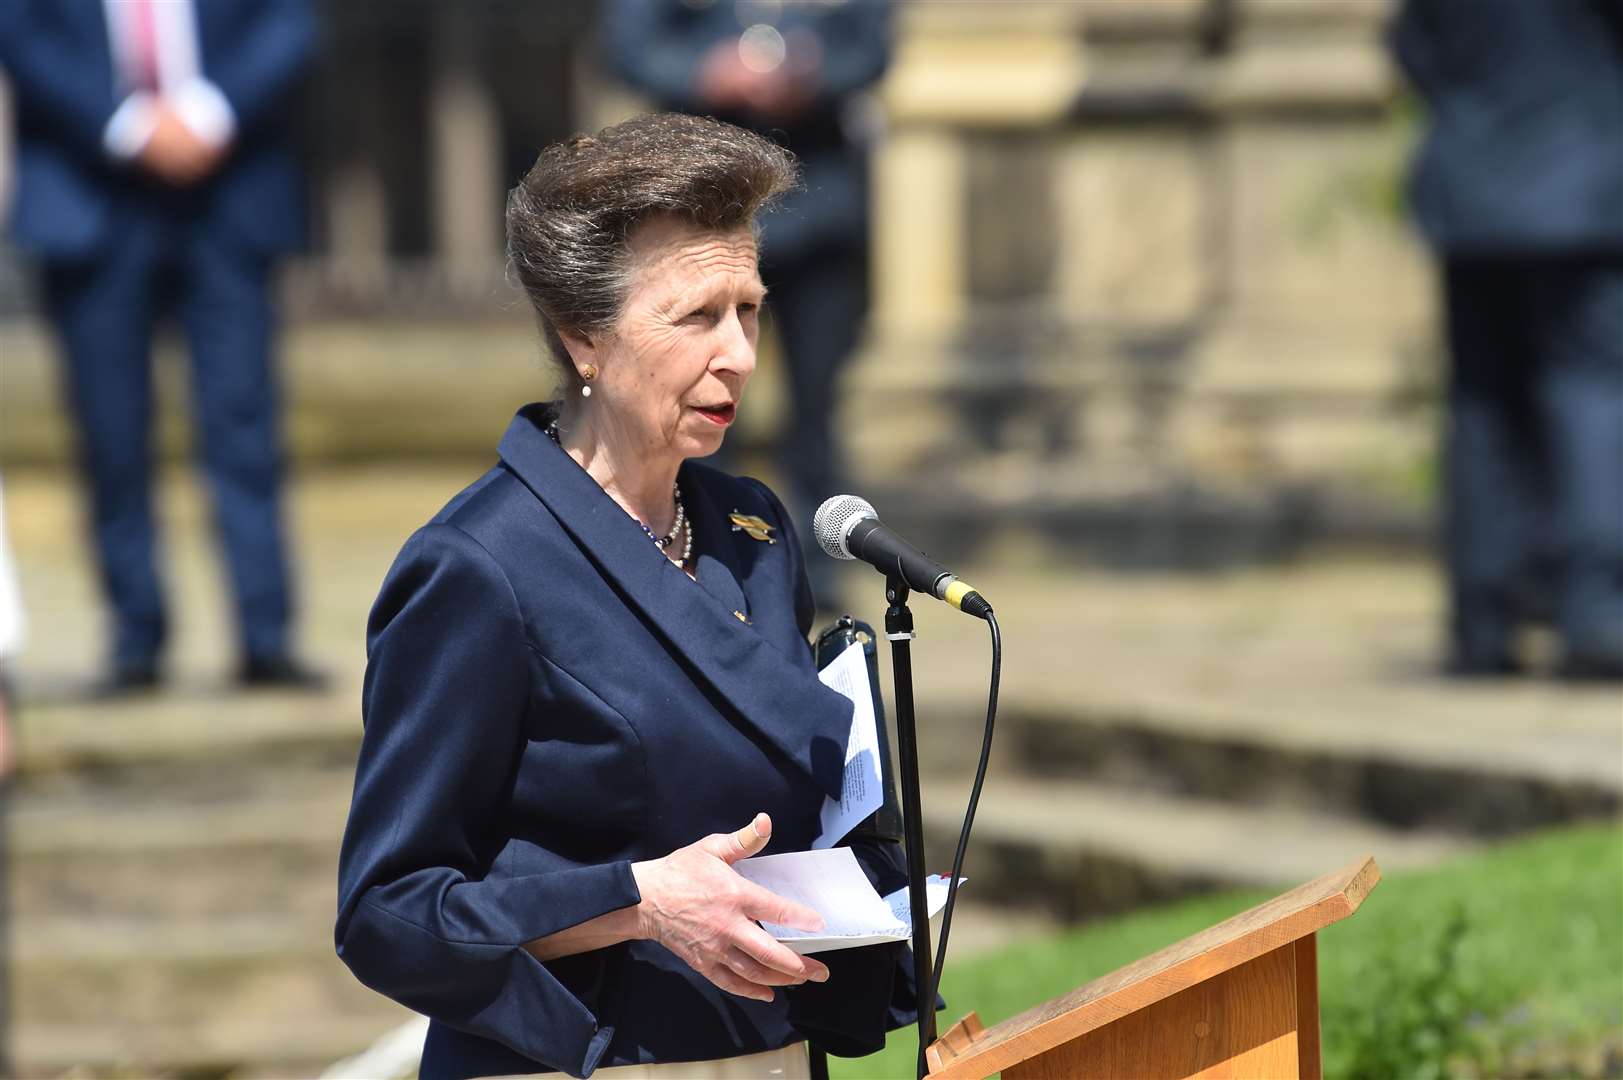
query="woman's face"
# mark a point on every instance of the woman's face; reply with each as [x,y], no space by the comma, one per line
[671,374]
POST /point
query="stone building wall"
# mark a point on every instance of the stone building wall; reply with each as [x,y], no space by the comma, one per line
[1126,249]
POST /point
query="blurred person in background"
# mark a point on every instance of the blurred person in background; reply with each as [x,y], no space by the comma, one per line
[1518,185]
[794,73]
[12,626]
[152,181]
[11,638]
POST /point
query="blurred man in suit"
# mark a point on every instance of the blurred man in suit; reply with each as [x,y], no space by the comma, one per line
[152,181]
[1519,186]
[12,626]
[791,72]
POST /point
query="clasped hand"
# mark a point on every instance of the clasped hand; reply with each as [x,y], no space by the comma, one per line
[696,905]
[175,155]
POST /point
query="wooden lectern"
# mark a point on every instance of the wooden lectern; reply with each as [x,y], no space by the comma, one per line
[1240,999]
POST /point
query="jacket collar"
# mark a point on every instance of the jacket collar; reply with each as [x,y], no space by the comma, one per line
[781,700]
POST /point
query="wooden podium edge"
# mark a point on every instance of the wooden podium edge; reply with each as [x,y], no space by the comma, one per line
[970,1052]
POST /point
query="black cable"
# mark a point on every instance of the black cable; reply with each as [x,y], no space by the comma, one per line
[974,800]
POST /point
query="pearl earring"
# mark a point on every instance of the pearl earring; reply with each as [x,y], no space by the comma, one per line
[586,391]
[587,374]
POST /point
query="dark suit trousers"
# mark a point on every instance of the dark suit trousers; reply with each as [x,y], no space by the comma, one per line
[817,306]
[105,311]
[1534,452]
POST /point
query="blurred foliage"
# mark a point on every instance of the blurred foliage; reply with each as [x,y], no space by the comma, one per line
[1420,1016]
[1508,962]
[1406,479]
[1375,191]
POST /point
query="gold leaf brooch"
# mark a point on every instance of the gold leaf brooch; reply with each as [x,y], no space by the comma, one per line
[755,527]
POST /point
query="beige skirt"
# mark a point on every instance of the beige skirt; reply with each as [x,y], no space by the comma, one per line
[789,1063]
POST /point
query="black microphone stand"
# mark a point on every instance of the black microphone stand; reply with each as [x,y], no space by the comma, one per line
[899,632]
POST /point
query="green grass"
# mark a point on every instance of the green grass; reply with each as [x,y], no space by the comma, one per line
[1507,960]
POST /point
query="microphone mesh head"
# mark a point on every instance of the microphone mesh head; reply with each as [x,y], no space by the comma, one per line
[834,519]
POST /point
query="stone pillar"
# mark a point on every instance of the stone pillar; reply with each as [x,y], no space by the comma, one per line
[920,248]
[1311,370]
[465,134]
[1133,225]
[357,212]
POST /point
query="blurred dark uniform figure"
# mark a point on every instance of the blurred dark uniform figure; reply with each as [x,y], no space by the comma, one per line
[151,180]
[789,71]
[1519,187]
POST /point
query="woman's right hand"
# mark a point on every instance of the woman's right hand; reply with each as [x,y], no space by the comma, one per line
[696,905]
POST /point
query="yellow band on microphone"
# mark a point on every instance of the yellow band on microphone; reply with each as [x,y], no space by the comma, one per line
[956,593]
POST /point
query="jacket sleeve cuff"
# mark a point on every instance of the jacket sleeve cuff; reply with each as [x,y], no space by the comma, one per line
[461,960]
[130,126]
[501,993]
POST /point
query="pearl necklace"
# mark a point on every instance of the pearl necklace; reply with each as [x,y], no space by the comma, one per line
[662,542]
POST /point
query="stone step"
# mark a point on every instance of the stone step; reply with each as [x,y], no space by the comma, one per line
[1311,687]
[1081,851]
[179,862]
[253,844]
[156,984]
[1124,519]
[1170,753]
[187,734]
[244,1049]
[1491,771]
[52,808]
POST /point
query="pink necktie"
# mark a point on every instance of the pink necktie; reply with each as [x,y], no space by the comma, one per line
[144,33]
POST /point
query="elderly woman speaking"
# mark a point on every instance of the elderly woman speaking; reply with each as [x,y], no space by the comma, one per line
[589,691]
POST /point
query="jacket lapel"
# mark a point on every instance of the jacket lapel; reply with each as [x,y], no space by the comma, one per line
[784,702]
[717,565]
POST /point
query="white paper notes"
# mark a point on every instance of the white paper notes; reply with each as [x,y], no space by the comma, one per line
[862,791]
[831,883]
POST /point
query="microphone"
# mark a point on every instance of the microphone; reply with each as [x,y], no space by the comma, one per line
[848,528]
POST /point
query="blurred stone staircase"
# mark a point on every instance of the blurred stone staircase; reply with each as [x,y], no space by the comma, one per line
[173,912]
[172,908]
[1057,835]
[1165,736]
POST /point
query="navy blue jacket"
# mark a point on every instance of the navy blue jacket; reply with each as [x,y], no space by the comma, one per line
[1524,150]
[658,46]
[549,699]
[71,197]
